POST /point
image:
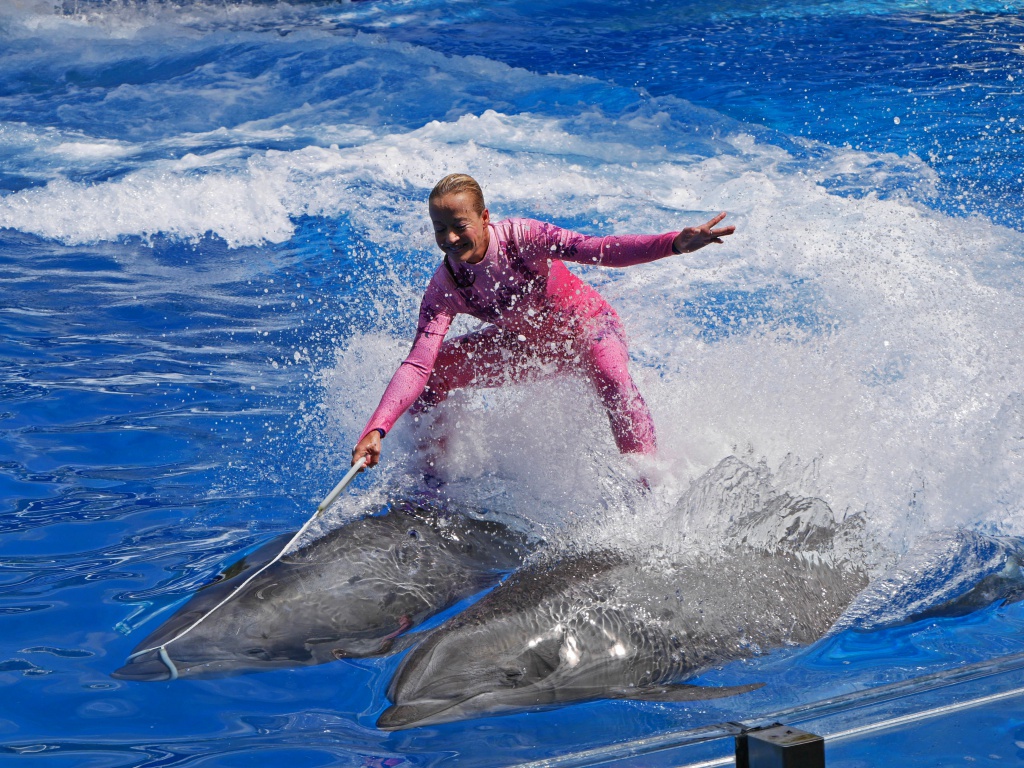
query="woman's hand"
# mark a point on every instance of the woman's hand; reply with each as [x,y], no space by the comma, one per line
[694,238]
[368,447]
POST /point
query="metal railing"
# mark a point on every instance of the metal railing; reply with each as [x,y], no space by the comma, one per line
[838,718]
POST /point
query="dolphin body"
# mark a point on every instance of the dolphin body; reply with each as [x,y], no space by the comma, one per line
[347,594]
[603,626]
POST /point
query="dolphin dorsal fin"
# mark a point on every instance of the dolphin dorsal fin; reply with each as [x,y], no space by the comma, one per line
[682,692]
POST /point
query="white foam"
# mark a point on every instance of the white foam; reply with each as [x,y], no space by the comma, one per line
[886,402]
[128,19]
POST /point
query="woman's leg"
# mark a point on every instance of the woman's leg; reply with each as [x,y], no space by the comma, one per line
[605,358]
[492,357]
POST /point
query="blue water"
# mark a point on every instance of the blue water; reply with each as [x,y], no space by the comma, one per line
[213,244]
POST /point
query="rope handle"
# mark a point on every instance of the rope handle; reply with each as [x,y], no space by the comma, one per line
[331,497]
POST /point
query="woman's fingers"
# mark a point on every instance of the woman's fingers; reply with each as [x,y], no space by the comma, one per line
[721,231]
[692,239]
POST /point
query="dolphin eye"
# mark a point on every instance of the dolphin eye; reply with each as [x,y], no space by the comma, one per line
[258,653]
[511,676]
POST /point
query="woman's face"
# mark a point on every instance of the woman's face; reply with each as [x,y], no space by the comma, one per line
[459,230]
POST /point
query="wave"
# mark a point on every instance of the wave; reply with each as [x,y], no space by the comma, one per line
[860,344]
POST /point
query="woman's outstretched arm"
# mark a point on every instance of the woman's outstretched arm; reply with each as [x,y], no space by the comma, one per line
[620,250]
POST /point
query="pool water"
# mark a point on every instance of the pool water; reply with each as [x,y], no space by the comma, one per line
[213,242]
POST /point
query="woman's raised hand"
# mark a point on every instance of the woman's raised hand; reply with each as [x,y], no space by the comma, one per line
[694,238]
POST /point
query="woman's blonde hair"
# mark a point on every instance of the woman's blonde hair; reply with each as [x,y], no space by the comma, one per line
[457,183]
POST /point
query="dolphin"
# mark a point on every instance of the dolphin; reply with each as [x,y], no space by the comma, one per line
[604,625]
[347,594]
[944,574]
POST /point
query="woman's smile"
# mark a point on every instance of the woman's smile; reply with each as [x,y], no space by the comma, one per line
[460,230]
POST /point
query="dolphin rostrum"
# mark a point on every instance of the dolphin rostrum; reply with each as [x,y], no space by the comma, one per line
[603,626]
[347,594]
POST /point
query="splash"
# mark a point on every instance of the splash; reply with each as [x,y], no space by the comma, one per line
[857,342]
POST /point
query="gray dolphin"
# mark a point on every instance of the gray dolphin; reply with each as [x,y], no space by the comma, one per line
[602,626]
[347,594]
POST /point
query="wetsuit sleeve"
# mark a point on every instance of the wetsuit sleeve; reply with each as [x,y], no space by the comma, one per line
[411,377]
[609,251]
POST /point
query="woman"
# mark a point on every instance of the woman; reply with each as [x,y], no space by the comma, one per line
[542,317]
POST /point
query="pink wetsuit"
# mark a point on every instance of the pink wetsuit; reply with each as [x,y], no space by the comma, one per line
[544,319]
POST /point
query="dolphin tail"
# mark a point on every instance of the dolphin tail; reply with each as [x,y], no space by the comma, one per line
[682,692]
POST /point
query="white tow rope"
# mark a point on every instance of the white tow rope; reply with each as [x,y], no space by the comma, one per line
[328,500]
